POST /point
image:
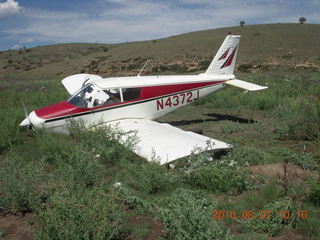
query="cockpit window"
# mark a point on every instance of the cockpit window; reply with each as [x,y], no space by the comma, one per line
[93,96]
[130,93]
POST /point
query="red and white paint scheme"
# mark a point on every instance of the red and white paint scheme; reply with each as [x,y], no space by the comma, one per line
[130,103]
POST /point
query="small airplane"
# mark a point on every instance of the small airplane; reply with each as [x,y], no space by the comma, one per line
[130,104]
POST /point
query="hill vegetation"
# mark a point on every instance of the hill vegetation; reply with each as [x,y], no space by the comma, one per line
[263,47]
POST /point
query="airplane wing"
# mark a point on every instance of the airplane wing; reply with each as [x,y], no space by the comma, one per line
[163,142]
[245,85]
[74,82]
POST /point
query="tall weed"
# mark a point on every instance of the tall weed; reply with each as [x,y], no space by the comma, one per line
[9,126]
[187,217]
[105,141]
[276,221]
[91,214]
[149,177]
[19,184]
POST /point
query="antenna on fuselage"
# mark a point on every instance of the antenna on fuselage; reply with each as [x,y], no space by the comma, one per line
[144,67]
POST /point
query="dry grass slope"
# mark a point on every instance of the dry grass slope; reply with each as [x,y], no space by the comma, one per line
[262,47]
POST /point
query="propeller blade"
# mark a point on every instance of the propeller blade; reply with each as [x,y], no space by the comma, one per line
[26,122]
[26,114]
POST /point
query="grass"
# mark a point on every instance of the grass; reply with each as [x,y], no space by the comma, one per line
[88,186]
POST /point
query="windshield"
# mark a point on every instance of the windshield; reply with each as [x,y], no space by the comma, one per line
[92,96]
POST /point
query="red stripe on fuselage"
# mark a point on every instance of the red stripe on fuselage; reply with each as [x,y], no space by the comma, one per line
[157,91]
[66,109]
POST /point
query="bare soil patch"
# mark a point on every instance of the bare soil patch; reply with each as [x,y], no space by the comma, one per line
[156,229]
[289,234]
[16,227]
[276,170]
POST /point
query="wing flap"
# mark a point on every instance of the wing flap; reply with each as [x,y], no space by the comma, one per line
[163,142]
[245,85]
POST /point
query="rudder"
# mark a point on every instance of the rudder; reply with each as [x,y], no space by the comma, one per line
[224,61]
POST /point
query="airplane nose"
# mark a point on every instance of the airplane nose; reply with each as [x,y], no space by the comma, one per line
[25,123]
[32,120]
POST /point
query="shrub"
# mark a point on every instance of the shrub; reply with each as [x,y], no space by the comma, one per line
[302,120]
[9,127]
[245,67]
[315,192]
[91,214]
[187,216]
[19,184]
[53,146]
[80,169]
[149,177]
[275,222]
[303,160]
[130,199]
[221,176]
[248,155]
[105,141]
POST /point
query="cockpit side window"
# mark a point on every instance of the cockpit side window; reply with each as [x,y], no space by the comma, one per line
[92,96]
[82,98]
[114,96]
[131,93]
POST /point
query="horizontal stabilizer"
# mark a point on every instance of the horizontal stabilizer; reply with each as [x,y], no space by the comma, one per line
[245,85]
[163,142]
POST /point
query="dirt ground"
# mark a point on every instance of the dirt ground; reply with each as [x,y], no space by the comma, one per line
[289,234]
[14,227]
[276,170]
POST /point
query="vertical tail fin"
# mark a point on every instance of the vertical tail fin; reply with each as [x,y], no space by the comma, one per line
[225,59]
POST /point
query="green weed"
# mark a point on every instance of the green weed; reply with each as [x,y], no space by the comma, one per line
[130,199]
[9,126]
[309,225]
[52,146]
[303,160]
[105,141]
[91,214]
[249,155]
[148,177]
[19,188]
[187,216]
[220,176]
[80,169]
[277,220]
[315,191]
[142,231]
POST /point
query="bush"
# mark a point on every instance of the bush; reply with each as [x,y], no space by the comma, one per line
[149,177]
[9,127]
[91,214]
[104,141]
[130,199]
[248,155]
[272,224]
[302,120]
[80,169]
[246,67]
[303,160]
[53,146]
[315,192]
[187,216]
[19,182]
[221,176]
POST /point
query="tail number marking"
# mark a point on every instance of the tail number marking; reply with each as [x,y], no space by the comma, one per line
[179,99]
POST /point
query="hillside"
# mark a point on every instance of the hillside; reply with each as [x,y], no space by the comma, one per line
[263,47]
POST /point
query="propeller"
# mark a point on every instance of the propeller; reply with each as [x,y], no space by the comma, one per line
[26,122]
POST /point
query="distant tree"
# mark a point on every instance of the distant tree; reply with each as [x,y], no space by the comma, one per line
[242,23]
[302,20]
